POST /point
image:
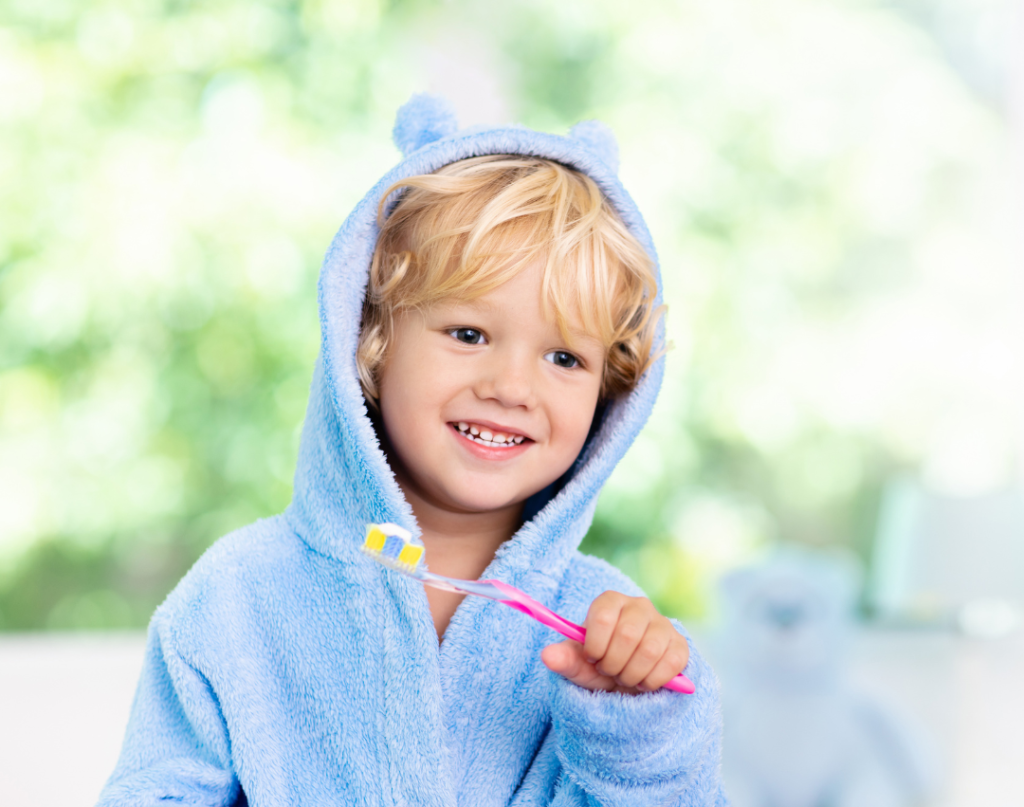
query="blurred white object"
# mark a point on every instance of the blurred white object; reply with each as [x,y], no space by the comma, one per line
[988,618]
[950,561]
[796,733]
[64,702]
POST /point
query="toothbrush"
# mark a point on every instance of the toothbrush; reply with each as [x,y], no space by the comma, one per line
[392,546]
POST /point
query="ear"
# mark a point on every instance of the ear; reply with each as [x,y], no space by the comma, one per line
[421,120]
[599,140]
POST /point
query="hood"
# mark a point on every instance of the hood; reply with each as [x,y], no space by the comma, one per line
[343,479]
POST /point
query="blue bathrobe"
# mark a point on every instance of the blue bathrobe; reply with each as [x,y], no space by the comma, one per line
[287,669]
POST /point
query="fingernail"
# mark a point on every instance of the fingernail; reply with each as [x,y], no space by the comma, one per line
[591,660]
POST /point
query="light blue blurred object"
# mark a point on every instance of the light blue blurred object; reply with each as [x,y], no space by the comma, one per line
[954,561]
[796,734]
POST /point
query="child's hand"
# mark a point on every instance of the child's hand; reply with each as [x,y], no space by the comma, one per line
[630,647]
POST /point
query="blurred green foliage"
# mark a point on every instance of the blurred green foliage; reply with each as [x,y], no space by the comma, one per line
[172,173]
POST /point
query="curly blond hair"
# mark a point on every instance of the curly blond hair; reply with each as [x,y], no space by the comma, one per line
[472,225]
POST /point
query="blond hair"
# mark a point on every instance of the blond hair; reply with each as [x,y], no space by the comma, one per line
[472,225]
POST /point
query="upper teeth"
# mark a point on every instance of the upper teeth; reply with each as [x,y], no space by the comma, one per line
[488,437]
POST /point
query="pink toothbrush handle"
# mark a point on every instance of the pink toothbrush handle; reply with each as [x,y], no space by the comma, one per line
[570,630]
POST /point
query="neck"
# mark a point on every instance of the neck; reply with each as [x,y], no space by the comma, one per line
[461,544]
[457,545]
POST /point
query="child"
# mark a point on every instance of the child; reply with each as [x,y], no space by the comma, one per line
[489,353]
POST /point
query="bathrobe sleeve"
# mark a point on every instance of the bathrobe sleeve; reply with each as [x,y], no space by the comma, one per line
[635,750]
[176,747]
[607,749]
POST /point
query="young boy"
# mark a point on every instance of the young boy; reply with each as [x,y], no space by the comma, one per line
[490,331]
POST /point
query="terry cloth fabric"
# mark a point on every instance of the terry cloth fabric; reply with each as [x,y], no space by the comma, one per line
[287,668]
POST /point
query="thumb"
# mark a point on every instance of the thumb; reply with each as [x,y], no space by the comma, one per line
[567,659]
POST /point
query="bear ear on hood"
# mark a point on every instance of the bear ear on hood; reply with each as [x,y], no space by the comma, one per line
[425,118]
[421,120]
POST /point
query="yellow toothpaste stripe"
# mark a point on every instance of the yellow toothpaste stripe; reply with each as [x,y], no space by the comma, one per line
[410,554]
[375,539]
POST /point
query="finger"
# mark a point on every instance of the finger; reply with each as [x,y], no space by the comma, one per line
[629,631]
[648,654]
[602,617]
[672,663]
[567,659]
[563,658]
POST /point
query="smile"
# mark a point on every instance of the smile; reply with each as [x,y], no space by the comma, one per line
[487,436]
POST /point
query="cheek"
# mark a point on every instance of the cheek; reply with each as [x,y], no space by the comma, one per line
[574,419]
[405,431]
[399,394]
[413,394]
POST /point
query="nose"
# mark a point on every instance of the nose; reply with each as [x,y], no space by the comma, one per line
[508,378]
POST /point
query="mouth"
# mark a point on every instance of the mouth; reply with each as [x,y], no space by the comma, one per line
[489,436]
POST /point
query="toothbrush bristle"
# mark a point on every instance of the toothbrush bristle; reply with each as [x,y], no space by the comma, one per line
[392,546]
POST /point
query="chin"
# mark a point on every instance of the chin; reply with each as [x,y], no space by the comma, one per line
[481,502]
[486,506]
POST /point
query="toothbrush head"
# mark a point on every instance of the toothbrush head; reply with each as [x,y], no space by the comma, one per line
[392,546]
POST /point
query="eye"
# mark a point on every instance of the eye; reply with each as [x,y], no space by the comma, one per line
[468,336]
[561,358]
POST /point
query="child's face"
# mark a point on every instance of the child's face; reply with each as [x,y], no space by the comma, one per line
[498,366]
